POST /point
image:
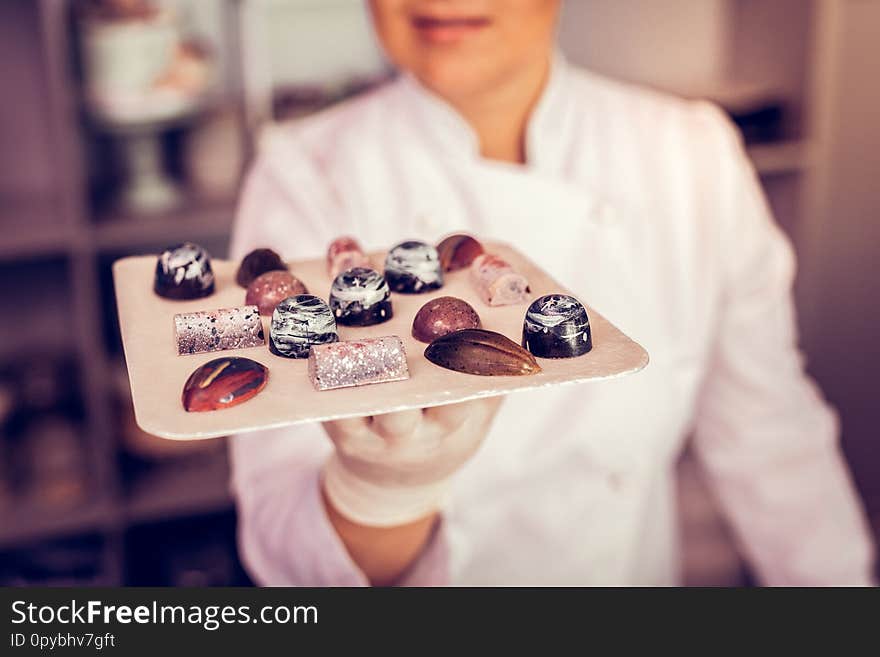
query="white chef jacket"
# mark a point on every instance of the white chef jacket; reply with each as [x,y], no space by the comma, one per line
[647,208]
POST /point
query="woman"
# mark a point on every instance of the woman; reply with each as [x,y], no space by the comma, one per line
[647,208]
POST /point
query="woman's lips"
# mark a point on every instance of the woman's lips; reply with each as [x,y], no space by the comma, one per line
[448,30]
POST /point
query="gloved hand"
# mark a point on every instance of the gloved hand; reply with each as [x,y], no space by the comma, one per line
[392,469]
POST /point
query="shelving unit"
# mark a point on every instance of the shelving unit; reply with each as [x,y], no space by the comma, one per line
[49,218]
[53,221]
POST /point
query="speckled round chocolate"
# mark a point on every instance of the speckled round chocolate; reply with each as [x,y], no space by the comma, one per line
[258,262]
[458,251]
[184,271]
[267,290]
[442,316]
[298,323]
[557,326]
[413,267]
[360,297]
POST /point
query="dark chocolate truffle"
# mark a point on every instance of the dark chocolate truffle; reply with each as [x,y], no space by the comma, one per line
[267,290]
[258,262]
[413,267]
[557,326]
[298,323]
[360,297]
[184,272]
[442,316]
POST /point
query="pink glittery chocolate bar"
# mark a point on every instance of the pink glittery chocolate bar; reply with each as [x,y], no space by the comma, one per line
[345,253]
[497,282]
[357,362]
[217,330]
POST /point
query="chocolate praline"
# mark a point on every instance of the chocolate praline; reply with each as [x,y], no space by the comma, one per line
[360,297]
[267,290]
[298,323]
[184,271]
[442,316]
[413,267]
[557,326]
[223,383]
[458,251]
[258,262]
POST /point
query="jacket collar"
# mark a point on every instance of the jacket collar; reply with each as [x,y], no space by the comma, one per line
[546,132]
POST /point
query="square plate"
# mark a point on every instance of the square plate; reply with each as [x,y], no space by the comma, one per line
[157,373]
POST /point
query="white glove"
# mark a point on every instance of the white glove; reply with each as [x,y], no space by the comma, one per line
[393,469]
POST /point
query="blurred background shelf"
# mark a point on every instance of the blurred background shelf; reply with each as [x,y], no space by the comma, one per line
[195,220]
[782,157]
[791,73]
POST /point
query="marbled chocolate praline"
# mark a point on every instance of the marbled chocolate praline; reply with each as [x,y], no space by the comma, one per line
[360,297]
[298,323]
[442,316]
[267,290]
[184,271]
[458,251]
[258,262]
[223,383]
[557,326]
[413,267]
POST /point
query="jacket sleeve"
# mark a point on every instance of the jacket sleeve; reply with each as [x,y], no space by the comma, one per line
[764,433]
[285,536]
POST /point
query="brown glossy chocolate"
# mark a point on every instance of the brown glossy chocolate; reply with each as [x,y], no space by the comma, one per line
[442,316]
[258,262]
[458,251]
[267,290]
[223,383]
[486,353]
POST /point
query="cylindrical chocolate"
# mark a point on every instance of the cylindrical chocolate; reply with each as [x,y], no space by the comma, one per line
[358,362]
[267,290]
[344,253]
[360,297]
[298,323]
[413,267]
[557,326]
[216,330]
[497,282]
[184,272]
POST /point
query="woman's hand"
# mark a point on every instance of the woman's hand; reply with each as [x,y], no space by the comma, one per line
[389,475]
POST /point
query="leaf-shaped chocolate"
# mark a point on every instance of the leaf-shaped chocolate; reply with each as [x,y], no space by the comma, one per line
[482,352]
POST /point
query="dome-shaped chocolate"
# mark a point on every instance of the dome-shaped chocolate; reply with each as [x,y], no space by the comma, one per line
[256,263]
[413,267]
[184,271]
[442,316]
[360,297]
[298,323]
[557,326]
[267,290]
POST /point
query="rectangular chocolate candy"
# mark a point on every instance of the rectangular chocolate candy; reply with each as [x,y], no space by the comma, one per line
[357,362]
[217,330]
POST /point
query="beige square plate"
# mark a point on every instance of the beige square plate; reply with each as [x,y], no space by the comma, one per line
[157,373]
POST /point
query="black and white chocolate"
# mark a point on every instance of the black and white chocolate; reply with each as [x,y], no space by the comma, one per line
[184,271]
[360,297]
[413,267]
[557,326]
[298,323]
